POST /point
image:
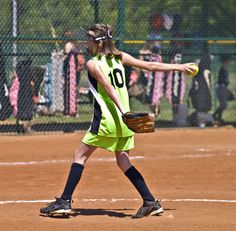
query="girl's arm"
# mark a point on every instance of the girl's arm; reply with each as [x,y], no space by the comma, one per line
[95,71]
[155,66]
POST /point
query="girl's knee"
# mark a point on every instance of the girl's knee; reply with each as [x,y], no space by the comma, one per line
[122,160]
[80,157]
[82,153]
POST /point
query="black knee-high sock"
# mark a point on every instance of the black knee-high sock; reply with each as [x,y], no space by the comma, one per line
[137,180]
[72,181]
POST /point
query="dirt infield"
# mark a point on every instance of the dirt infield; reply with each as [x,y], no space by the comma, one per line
[191,170]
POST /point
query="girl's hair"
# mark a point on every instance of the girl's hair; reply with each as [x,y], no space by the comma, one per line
[103,32]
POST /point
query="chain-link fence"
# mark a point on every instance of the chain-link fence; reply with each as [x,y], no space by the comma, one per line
[43,82]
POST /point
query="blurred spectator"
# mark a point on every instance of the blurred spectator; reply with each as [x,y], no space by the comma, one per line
[70,90]
[37,80]
[200,93]
[152,83]
[133,87]
[25,95]
[54,82]
[145,54]
[224,94]
[71,47]
[155,80]
[76,48]
[175,91]
[74,63]
[13,93]
[5,107]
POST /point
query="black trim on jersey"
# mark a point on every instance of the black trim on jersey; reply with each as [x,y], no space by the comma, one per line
[96,121]
[97,114]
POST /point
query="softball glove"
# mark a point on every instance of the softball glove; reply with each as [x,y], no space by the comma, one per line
[139,122]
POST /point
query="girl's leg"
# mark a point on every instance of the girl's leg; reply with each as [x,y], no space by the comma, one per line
[122,158]
[150,206]
[81,155]
[62,205]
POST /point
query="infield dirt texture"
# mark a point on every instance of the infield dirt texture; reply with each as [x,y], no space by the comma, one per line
[191,170]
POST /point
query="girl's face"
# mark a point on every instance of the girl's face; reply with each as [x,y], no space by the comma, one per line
[91,44]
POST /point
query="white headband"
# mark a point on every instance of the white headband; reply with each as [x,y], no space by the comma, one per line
[107,36]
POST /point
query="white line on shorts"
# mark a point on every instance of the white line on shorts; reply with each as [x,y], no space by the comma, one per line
[113,200]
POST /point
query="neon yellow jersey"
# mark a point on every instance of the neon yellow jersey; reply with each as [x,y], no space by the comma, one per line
[107,119]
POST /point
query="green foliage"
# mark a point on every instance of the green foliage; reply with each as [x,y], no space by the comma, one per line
[42,17]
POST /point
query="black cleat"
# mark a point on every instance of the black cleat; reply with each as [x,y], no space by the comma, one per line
[149,208]
[59,206]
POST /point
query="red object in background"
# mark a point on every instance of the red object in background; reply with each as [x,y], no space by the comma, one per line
[156,21]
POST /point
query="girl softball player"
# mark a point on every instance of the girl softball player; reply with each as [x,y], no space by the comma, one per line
[107,83]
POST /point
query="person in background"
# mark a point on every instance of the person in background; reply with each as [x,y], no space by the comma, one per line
[175,91]
[223,92]
[25,106]
[36,83]
[80,59]
[155,81]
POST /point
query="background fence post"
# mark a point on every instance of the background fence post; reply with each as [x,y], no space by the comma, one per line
[121,23]
[14,30]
